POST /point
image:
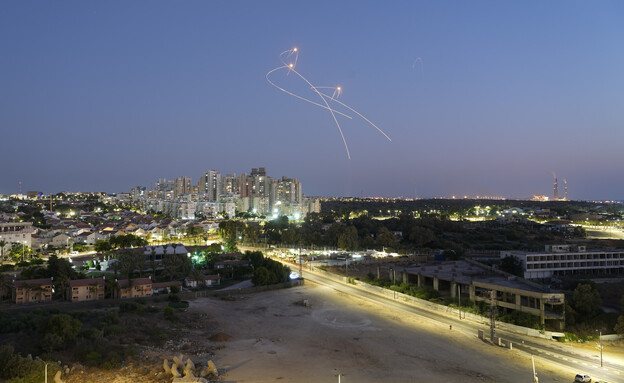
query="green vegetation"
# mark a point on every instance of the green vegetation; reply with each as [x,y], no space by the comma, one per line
[18,369]
[266,270]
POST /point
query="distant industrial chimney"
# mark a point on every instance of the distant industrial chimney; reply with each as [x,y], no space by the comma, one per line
[556,188]
[565,187]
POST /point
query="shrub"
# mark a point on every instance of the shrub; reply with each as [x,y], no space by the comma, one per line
[94,358]
[173,298]
[131,307]
[111,317]
[170,314]
[114,329]
[175,289]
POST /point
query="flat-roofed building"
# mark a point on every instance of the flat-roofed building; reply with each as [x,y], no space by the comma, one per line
[478,282]
[90,289]
[32,291]
[569,261]
[15,232]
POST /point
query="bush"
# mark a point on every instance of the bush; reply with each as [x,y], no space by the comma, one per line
[114,329]
[94,358]
[173,298]
[131,307]
[17,369]
[170,314]
[175,289]
[111,317]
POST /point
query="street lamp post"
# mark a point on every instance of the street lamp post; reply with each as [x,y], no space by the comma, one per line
[600,341]
[459,299]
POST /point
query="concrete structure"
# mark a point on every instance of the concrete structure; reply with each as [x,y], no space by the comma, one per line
[569,261]
[90,289]
[16,232]
[32,291]
[475,281]
[134,288]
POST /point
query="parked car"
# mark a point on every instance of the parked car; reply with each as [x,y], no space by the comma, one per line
[582,378]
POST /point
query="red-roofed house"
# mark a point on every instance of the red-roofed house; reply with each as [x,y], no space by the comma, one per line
[90,289]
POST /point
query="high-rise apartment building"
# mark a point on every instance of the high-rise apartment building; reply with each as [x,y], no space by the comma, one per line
[211,184]
[182,186]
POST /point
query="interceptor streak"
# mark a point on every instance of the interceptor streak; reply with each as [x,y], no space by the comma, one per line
[289,58]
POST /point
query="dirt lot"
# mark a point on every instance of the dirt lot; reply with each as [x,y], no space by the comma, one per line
[273,337]
[276,338]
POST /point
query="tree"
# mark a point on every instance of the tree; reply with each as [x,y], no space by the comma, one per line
[176,266]
[261,277]
[386,238]
[128,262]
[420,236]
[348,239]
[61,329]
[512,265]
[619,326]
[102,246]
[587,299]
[2,245]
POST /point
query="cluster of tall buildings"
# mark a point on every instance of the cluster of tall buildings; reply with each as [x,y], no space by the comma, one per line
[217,195]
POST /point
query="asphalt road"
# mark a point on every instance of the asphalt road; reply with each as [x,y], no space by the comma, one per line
[552,352]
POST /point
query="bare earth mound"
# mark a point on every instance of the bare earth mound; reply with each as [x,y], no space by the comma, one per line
[220,337]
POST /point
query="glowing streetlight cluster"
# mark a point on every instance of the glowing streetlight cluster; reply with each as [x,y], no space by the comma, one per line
[289,58]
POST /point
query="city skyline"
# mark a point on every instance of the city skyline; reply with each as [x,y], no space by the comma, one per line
[483,98]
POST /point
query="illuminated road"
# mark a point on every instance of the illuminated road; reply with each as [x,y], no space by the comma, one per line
[545,350]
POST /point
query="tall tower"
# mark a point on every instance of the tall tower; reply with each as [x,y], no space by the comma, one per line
[565,188]
[556,187]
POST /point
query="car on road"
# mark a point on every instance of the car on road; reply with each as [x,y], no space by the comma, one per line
[582,378]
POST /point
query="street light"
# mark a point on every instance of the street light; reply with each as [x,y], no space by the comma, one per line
[600,341]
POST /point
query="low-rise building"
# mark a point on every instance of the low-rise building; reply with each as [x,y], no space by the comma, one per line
[165,287]
[134,288]
[15,232]
[32,291]
[569,261]
[203,280]
[481,283]
[90,289]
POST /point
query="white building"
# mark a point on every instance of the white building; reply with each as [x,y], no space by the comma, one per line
[567,260]
[16,232]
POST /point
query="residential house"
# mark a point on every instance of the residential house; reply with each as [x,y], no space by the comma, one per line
[61,240]
[232,263]
[134,288]
[165,287]
[90,289]
[205,280]
[32,291]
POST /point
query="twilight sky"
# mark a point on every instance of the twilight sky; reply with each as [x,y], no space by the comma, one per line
[479,97]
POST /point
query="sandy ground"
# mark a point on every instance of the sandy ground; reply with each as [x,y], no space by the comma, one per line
[274,337]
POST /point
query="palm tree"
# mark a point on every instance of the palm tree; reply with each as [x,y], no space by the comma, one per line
[2,245]
[152,261]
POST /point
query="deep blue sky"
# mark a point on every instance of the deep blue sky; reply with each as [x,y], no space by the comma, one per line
[108,95]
